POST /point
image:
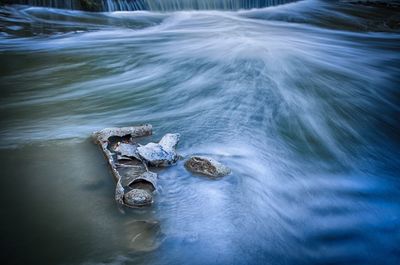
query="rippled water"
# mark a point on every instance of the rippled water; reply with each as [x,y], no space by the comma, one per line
[300,100]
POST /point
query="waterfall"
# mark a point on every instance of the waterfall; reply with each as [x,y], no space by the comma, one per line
[173,5]
[154,5]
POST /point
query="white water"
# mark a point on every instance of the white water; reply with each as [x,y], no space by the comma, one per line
[174,5]
[159,5]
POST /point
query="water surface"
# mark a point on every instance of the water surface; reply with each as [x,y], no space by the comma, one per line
[301,100]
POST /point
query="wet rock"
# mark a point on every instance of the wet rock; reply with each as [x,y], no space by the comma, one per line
[140,186]
[162,153]
[146,180]
[133,131]
[138,183]
[126,150]
[134,182]
[206,166]
[169,141]
[138,197]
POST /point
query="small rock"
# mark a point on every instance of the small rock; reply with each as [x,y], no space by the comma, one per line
[169,141]
[162,153]
[138,197]
[127,150]
[206,166]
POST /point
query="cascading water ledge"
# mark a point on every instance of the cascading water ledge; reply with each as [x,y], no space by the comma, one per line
[151,5]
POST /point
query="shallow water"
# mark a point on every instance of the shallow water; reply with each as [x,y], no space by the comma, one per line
[300,100]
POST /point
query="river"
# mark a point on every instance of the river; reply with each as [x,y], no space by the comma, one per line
[300,100]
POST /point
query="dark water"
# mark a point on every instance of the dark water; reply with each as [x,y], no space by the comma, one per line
[300,100]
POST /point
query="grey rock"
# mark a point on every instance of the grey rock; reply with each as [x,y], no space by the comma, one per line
[138,198]
[134,182]
[138,186]
[169,141]
[127,150]
[162,153]
[133,131]
[206,166]
[146,180]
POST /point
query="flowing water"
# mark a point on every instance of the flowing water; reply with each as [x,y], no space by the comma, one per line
[301,100]
[154,5]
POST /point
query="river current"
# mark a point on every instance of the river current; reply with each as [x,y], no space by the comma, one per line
[300,100]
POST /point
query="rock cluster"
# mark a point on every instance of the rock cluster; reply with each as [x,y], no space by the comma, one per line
[130,162]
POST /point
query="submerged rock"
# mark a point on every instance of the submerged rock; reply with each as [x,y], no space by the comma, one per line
[206,166]
[162,153]
[144,235]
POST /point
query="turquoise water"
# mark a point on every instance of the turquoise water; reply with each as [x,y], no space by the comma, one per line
[301,100]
